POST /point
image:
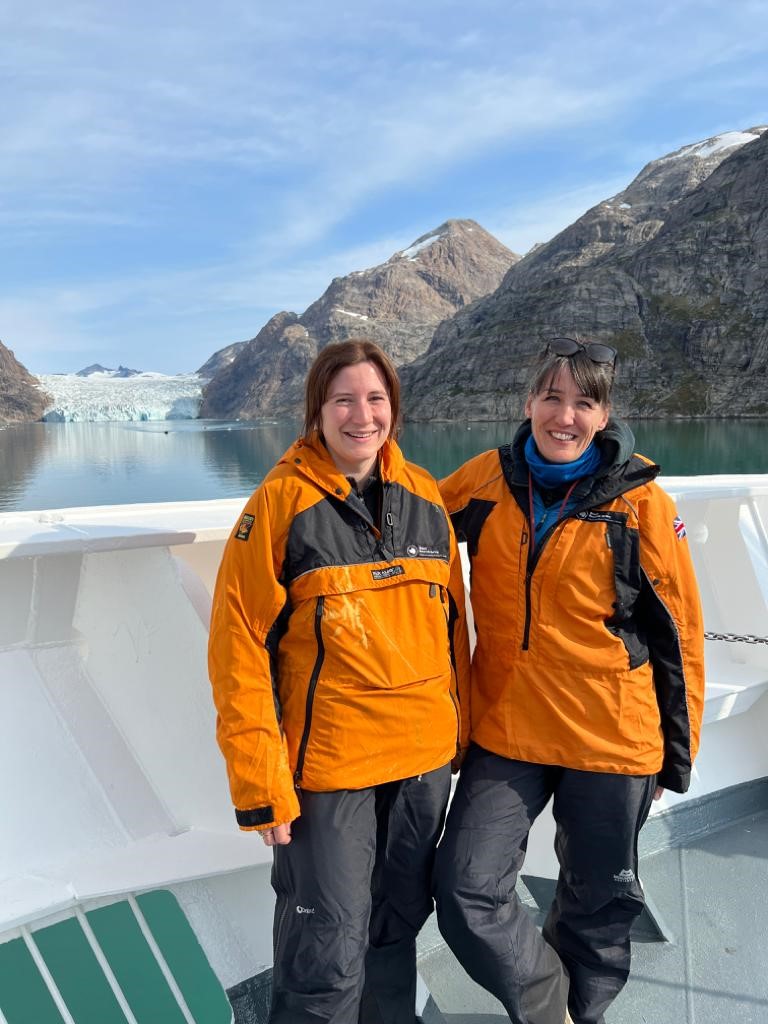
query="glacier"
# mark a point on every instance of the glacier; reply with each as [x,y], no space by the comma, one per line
[103,397]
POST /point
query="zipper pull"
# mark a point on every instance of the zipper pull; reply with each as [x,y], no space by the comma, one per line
[432,589]
[390,519]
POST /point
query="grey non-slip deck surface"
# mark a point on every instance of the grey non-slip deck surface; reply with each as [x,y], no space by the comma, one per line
[713,896]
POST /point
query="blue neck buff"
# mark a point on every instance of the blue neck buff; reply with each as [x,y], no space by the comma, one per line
[550,475]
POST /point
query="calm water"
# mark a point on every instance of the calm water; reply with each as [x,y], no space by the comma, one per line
[59,465]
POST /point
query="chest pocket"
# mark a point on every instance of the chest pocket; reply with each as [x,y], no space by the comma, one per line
[624,543]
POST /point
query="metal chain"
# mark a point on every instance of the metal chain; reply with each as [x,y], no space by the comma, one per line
[734,638]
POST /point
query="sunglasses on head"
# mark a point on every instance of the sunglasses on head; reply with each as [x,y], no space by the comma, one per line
[595,350]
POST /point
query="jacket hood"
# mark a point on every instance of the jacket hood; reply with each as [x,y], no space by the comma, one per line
[619,470]
[616,443]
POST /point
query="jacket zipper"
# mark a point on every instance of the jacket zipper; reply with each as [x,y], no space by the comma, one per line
[311,691]
[454,678]
[528,572]
[533,559]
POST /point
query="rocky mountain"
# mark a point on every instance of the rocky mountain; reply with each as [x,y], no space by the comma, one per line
[673,271]
[22,400]
[121,371]
[221,358]
[398,304]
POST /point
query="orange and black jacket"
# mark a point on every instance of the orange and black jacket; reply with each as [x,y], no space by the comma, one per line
[336,646]
[589,650]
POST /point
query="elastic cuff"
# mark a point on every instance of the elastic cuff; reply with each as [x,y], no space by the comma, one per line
[255,817]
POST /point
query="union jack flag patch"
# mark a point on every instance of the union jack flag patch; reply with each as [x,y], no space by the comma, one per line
[679,527]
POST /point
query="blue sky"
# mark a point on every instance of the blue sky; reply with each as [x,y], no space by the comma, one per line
[174,173]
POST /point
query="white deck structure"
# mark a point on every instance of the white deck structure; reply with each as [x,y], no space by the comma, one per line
[111,783]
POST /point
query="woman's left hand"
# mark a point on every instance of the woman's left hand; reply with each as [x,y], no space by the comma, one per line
[279,835]
[658,793]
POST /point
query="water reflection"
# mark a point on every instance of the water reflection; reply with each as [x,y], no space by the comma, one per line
[680,447]
[240,456]
[441,447]
[55,465]
[21,448]
[699,447]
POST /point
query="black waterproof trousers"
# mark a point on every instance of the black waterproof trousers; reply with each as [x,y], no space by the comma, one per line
[353,889]
[584,954]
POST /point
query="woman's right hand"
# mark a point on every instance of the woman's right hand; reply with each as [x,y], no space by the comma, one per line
[279,835]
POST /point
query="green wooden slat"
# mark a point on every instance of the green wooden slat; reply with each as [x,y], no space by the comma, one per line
[24,997]
[202,990]
[134,965]
[78,975]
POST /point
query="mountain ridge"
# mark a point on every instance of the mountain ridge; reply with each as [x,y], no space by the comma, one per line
[630,274]
[397,304]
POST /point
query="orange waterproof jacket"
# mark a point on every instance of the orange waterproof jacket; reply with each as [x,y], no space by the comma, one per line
[335,647]
[589,649]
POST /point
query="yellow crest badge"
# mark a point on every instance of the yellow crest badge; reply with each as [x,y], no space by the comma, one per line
[244,529]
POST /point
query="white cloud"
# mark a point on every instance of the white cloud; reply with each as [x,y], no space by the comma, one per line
[106,320]
[284,144]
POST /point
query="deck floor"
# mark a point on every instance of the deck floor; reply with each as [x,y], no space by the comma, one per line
[713,896]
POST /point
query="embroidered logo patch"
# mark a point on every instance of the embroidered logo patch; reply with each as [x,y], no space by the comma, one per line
[244,529]
[603,517]
[679,527]
[421,551]
[625,876]
[385,574]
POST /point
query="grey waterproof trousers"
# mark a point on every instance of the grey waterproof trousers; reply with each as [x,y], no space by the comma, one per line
[353,889]
[583,955]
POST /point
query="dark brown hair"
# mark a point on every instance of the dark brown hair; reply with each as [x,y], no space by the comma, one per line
[595,380]
[335,357]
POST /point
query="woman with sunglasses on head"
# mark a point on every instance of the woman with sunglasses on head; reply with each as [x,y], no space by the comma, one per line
[587,686]
[335,648]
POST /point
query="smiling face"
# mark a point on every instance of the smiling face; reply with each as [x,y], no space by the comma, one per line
[563,420]
[356,418]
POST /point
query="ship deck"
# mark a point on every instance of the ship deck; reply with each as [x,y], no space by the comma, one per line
[709,895]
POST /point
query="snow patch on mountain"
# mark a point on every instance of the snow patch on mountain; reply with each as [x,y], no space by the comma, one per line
[346,312]
[103,397]
[413,251]
[728,140]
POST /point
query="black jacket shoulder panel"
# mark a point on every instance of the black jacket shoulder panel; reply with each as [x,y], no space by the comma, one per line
[515,468]
[337,532]
[469,522]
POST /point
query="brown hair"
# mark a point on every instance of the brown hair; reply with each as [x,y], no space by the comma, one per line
[335,357]
[595,380]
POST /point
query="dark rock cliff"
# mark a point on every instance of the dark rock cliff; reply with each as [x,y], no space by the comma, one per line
[673,271]
[21,398]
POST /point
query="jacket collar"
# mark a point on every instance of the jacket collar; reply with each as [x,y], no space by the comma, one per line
[620,469]
[311,459]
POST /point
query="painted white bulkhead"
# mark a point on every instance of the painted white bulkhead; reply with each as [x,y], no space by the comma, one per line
[110,778]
